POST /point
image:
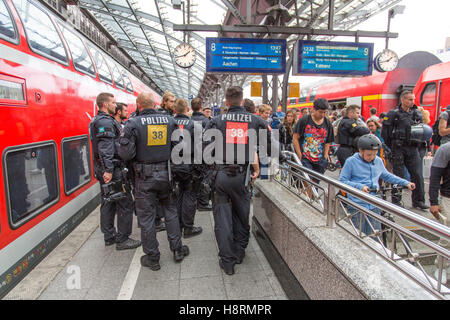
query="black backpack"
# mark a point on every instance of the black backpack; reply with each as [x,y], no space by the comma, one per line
[436,138]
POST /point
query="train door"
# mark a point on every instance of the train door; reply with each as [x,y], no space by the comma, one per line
[428,98]
[444,96]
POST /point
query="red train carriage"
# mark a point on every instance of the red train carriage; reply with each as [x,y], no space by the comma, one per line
[433,89]
[50,76]
[380,90]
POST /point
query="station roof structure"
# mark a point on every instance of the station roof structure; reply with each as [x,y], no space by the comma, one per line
[145,29]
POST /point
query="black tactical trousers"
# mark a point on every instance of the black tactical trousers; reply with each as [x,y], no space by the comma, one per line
[343,153]
[199,176]
[410,158]
[124,211]
[151,192]
[186,200]
[231,209]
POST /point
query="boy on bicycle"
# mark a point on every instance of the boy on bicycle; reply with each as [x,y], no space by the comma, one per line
[362,171]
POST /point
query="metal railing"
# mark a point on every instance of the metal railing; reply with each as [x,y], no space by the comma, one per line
[402,246]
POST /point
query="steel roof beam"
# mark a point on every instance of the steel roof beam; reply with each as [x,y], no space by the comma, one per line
[234,11]
[283,30]
[128,20]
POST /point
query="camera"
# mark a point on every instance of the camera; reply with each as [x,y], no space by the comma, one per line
[114,191]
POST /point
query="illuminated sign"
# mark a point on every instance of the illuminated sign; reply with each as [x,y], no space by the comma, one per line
[232,55]
[333,58]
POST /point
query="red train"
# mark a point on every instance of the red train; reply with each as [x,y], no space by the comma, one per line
[418,71]
[50,76]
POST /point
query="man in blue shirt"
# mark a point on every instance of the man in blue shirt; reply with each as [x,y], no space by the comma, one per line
[363,171]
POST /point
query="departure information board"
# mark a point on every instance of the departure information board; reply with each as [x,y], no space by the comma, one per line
[333,58]
[237,55]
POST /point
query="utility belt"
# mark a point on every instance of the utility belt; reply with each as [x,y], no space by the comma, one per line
[232,169]
[145,170]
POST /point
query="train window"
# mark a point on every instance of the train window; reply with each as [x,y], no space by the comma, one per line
[428,96]
[41,33]
[12,91]
[7,28]
[292,101]
[117,75]
[312,97]
[126,80]
[303,96]
[76,163]
[32,180]
[102,68]
[81,59]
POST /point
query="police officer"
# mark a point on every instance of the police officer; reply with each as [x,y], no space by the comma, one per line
[201,172]
[121,113]
[167,104]
[146,139]
[396,133]
[349,130]
[104,132]
[231,205]
[159,223]
[186,199]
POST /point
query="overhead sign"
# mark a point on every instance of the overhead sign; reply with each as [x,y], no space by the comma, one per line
[256,89]
[326,58]
[294,90]
[236,55]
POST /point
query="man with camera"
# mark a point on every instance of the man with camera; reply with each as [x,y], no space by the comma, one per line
[404,134]
[109,170]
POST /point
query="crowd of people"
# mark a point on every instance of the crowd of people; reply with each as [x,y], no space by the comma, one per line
[389,147]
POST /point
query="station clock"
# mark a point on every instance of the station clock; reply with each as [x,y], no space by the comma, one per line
[185,55]
[386,61]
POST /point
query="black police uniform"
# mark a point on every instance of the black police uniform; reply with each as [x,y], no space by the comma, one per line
[348,133]
[186,199]
[104,132]
[396,134]
[201,171]
[146,139]
[160,226]
[231,205]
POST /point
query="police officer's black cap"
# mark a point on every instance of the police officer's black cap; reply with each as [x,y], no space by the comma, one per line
[321,104]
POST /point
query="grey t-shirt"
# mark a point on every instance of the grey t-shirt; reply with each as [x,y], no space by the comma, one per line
[445,115]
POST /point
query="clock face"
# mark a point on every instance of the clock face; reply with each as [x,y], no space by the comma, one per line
[386,61]
[185,55]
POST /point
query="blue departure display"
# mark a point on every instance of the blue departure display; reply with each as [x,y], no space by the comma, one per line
[333,58]
[233,55]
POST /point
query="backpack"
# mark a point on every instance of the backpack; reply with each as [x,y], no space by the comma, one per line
[436,137]
[336,136]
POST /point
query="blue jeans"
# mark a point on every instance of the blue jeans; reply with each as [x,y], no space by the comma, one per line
[318,167]
[365,225]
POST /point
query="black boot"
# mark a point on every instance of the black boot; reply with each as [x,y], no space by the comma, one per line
[420,205]
[146,261]
[178,255]
[191,232]
[128,244]
[229,269]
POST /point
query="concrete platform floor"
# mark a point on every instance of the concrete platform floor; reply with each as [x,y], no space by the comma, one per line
[82,268]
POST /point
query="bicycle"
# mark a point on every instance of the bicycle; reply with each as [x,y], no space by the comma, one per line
[332,165]
[383,192]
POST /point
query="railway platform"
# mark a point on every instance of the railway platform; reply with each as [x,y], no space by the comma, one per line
[82,268]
